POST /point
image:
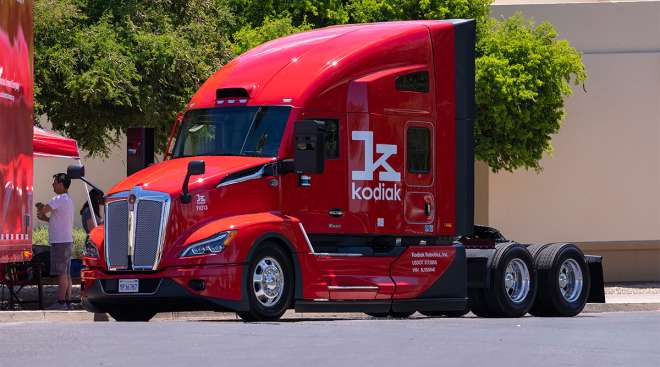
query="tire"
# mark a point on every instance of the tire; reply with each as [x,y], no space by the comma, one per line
[132,314]
[534,250]
[268,298]
[564,281]
[478,303]
[512,287]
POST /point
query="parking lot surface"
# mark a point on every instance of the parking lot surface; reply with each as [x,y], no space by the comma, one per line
[607,339]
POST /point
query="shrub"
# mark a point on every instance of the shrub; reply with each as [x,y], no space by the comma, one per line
[40,237]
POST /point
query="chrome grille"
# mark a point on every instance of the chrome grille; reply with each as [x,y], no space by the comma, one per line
[135,231]
[116,234]
[147,233]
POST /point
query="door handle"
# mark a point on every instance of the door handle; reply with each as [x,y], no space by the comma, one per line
[427,208]
[336,212]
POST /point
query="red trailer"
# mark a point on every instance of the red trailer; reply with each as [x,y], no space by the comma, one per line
[16,105]
[19,140]
[330,170]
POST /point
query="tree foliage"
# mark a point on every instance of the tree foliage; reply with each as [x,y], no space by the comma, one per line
[522,76]
[248,36]
[104,65]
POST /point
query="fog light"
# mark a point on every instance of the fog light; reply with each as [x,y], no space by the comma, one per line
[197,284]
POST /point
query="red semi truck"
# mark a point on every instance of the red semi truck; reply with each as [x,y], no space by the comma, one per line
[330,170]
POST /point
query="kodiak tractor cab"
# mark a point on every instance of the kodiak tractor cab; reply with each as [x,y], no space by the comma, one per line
[330,170]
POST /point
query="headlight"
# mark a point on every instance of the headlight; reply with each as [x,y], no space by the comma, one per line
[90,249]
[210,246]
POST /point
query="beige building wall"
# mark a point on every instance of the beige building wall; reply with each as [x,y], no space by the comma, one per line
[601,186]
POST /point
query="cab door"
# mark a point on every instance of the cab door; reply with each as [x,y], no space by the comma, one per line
[320,200]
[419,201]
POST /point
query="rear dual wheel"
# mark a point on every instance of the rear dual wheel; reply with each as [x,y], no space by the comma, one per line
[564,281]
[512,287]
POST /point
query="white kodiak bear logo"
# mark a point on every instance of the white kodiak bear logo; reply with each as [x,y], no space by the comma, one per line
[382,191]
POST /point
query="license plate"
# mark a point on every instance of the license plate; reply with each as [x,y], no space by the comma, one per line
[128,285]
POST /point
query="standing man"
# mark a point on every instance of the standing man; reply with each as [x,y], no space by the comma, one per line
[59,215]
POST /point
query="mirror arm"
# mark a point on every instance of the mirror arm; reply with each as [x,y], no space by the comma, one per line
[194,168]
[83,179]
[185,196]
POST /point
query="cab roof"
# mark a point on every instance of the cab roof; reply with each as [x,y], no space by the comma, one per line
[290,70]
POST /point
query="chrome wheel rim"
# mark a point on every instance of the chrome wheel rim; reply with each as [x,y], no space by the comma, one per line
[517,281]
[268,281]
[570,280]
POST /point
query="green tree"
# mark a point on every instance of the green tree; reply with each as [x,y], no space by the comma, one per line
[523,72]
[323,13]
[248,36]
[102,66]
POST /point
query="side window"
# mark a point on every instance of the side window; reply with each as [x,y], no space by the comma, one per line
[418,150]
[331,138]
[413,82]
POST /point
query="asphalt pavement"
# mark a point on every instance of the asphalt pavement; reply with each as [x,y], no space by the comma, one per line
[596,339]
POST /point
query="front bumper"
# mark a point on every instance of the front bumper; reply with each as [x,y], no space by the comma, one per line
[170,290]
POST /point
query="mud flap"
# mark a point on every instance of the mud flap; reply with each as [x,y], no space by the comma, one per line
[597,290]
[478,275]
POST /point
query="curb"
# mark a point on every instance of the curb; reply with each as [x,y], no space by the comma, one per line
[621,307]
[84,316]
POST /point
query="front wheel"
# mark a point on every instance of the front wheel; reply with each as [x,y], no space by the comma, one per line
[270,284]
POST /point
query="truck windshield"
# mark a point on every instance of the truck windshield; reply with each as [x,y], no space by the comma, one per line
[246,131]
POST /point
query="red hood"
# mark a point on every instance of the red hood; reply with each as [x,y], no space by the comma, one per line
[168,176]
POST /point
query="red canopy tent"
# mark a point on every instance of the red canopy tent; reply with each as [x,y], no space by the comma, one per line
[49,144]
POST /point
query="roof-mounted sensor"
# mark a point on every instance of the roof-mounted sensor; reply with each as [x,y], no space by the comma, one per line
[231,96]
